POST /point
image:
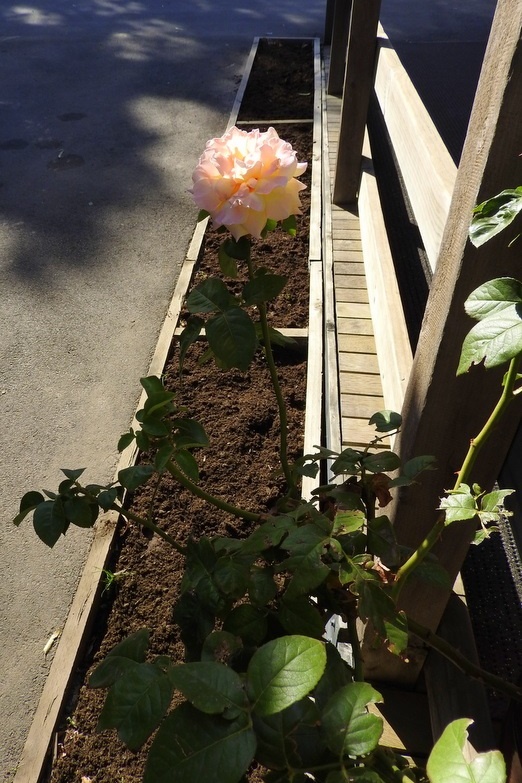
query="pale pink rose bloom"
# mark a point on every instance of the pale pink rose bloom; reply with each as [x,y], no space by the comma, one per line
[245,178]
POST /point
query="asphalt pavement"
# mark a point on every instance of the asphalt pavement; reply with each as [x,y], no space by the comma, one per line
[105,106]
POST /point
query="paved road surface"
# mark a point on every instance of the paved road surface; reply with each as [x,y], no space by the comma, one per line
[105,106]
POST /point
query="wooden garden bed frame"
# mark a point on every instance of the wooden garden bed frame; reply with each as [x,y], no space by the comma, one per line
[440,412]
[42,734]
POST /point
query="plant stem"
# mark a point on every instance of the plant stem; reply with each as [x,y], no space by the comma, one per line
[475,447]
[461,662]
[149,524]
[214,501]
[477,443]
[281,404]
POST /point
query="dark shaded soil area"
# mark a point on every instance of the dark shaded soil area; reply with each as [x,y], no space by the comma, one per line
[239,413]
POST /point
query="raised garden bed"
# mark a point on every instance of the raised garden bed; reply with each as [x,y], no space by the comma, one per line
[240,417]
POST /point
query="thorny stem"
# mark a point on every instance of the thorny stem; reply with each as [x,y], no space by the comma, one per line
[475,447]
[462,663]
[214,501]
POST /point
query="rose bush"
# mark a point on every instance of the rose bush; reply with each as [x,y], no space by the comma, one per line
[244,179]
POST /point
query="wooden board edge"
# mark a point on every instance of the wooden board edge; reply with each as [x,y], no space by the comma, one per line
[243,84]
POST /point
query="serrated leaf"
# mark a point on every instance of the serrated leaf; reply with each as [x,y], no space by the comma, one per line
[263,288]
[210,296]
[376,605]
[232,338]
[261,588]
[189,434]
[78,511]
[493,297]
[348,521]
[267,535]
[493,501]
[381,462]
[459,505]
[494,215]
[133,477]
[348,727]
[494,340]
[136,704]
[237,248]
[386,421]
[290,737]
[453,758]
[220,646]
[189,745]
[110,670]
[283,671]
[210,686]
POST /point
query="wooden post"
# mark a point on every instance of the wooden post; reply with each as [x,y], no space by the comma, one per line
[340,29]
[358,83]
[442,412]
[328,22]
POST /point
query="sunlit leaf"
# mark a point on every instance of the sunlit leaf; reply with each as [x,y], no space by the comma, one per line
[494,215]
[454,758]
[347,725]
[210,686]
[283,671]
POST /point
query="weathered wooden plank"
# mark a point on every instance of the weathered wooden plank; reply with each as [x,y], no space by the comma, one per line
[356,431]
[315,239]
[358,81]
[425,163]
[361,383]
[353,309]
[350,281]
[341,244]
[358,362]
[391,334]
[353,256]
[347,294]
[349,267]
[356,343]
[355,326]
[356,406]
[314,371]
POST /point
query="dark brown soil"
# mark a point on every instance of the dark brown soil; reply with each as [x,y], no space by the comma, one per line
[240,416]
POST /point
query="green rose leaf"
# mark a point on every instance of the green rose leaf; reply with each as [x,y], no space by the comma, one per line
[454,758]
[192,746]
[133,477]
[459,505]
[386,421]
[494,215]
[227,264]
[152,385]
[497,338]
[263,288]
[210,296]
[189,434]
[28,503]
[136,703]
[220,646]
[299,616]
[283,671]
[232,338]
[49,521]
[210,686]
[79,511]
[187,463]
[290,737]
[348,726]
[237,248]
[381,462]
[132,649]
[247,622]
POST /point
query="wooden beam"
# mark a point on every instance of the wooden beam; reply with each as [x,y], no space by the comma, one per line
[441,412]
[358,84]
[340,29]
[425,163]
